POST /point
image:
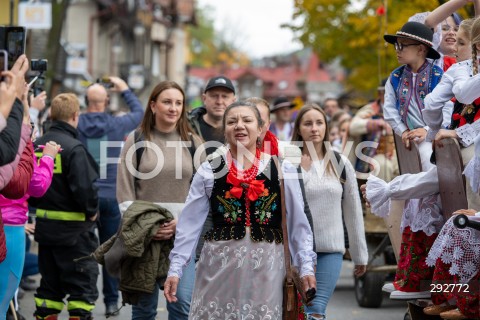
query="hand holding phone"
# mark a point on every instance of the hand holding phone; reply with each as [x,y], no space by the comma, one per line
[19,69]
[8,93]
[12,39]
[118,84]
[106,82]
[310,295]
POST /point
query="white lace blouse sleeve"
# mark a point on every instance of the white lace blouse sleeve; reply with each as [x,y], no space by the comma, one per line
[436,100]
[406,186]
[465,86]
[192,219]
[390,112]
[468,132]
[300,234]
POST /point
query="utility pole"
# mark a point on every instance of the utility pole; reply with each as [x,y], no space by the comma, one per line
[59,13]
[12,5]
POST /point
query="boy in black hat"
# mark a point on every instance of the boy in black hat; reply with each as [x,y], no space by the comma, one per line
[405,91]
[282,127]
[408,85]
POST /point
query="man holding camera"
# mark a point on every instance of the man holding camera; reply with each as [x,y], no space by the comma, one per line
[98,129]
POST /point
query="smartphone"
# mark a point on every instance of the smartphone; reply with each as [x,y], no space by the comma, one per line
[38,65]
[3,62]
[105,81]
[12,39]
[310,294]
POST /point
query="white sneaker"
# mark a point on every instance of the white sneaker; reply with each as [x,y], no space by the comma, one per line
[388,287]
[400,295]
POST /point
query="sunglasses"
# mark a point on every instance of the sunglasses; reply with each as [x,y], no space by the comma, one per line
[400,46]
[447,27]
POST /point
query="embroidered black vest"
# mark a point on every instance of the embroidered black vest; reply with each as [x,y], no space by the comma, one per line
[463,114]
[229,213]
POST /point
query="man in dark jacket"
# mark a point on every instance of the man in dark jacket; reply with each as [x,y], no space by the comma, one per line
[207,120]
[65,224]
[100,131]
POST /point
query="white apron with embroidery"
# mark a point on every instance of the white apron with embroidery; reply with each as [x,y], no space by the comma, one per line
[239,280]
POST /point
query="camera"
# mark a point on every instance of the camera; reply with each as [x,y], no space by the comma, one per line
[12,40]
[39,65]
[105,81]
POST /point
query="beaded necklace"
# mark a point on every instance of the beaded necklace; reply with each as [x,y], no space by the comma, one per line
[244,180]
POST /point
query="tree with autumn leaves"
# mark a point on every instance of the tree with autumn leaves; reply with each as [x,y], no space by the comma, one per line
[209,47]
[352,31]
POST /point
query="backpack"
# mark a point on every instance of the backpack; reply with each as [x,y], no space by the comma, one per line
[343,178]
[308,213]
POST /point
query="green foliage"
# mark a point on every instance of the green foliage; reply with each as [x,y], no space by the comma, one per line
[352,31]
[201,38]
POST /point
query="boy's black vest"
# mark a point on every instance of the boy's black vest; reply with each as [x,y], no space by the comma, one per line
[228,212]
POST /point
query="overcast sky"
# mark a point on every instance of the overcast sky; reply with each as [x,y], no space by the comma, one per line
[254,25]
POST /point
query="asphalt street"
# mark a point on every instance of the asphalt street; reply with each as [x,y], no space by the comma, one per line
[342,305]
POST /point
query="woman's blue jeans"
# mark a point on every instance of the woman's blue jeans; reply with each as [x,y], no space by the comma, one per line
[11,268]
[329,266]
[146,309]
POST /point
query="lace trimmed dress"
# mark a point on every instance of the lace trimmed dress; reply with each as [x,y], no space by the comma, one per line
[456,258]
[241,269]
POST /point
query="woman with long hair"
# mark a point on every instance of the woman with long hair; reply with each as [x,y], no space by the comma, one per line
[162,176]
[329,200]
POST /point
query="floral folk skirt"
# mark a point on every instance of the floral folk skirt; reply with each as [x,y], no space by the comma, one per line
[239,279]
[447,287]
[413,274]
[456,257]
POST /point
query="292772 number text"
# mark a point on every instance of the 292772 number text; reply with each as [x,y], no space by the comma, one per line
[449,288]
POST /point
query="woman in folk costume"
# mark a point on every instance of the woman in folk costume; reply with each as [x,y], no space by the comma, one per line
[405,91]
[456,258]
[460,83]
[456,252]
[241,269]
